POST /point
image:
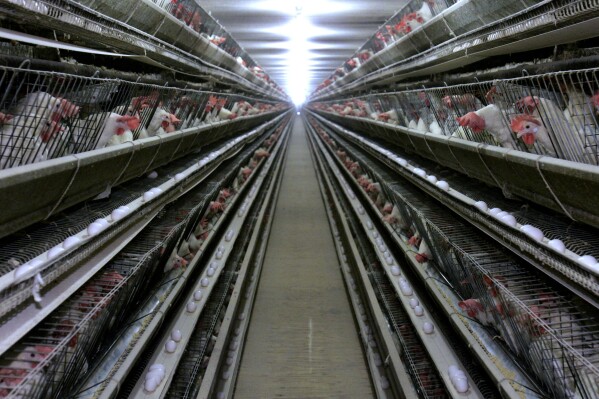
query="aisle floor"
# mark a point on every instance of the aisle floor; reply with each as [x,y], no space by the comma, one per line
[302,341]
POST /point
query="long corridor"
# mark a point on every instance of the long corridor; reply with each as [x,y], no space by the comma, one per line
[302,341]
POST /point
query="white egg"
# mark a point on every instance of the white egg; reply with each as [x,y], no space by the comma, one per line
[205,282]
[395,270]
[419,172]
[414,302]
[226,375]
[221,395]
[118,214]
[241,316]
[494,211]
[170,346]
[197,295]
[153,175]
[148,195]
[151,385]
[219,255]
[157,366]
[179,177]
[55,252]
[418,311]
[94,229]
[406,290]
[382,248]
[229,235]
[443,185]
[27,267]
[202,163]
[533,232]
[428,327]
[71,242]
[157,191]
[482,205]
[376,358]
[375,234]
[431,179]
[501,214]
[587,260]
[233,346]
[176,335]
[389,260]
[510,220]
[461,384]
[210,272]
[369,225]
[557,245]
[402,162]
[214,265]
[384,382]
[191,307]
[229,361]
[361,210]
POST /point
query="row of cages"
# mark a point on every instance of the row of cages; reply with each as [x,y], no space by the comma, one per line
[552,332]
[553,114]
[424,25]
[46,115]
[151,16]
[86,335]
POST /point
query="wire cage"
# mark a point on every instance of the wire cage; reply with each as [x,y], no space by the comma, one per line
[551,331]
[47,115]
[553,114]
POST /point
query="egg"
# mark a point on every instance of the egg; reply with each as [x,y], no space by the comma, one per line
[229,361]
[406,290]
[501,214]
[428,327]
[55,252]
[382,248]
[148,195]
[369,225]
[494,211]
[384,382]
[510,220]
[221,395]
[229,235]
[176,335]
[27,267]
[233,346]
[210,272]
[401,161]
[179,177]
[71,242]
[214,265]
[191,307]
[432,179]
[226,375]
[414,302]
[375,234]
[481,205]
[241,316]
[419,172]
[219,254]
[197,295]
[170,346]
[118,214]
[451,370]
[153,175]
[151,385]
[594,268]
[361,210]
[443,185]
[94,229]
[418,311]
[205,282]
[203,162]
[557,245]
[533,232]
[587,260]
[395,270]
[460,384]
[389,260]
[376,358]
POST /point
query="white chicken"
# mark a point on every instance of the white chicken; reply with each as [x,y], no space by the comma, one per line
[492,119]
[114,129]
[162,122]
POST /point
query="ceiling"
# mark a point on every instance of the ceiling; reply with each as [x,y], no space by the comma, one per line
[299,43]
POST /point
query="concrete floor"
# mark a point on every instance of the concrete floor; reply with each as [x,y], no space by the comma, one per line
[302,341]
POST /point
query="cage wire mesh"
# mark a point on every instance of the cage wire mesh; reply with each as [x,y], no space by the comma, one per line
[46,115]
[552,331]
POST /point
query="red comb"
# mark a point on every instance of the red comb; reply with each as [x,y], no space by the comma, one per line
[518,120]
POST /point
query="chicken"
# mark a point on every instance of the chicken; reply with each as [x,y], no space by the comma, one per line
[530,130]
[32,123]
[424,253]
[491,119]
[12,374]
[174,262]
[101,128]
[162,122]
[414,20]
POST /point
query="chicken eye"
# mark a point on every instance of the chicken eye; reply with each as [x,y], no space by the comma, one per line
[527,126]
